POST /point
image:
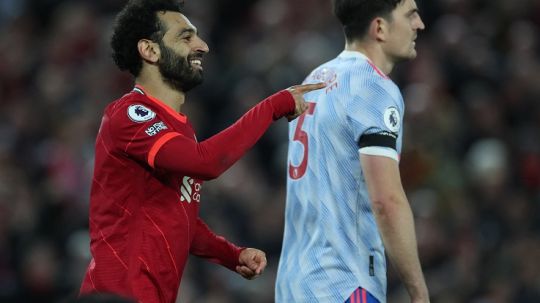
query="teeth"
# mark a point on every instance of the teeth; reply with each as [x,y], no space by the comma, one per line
[196,62]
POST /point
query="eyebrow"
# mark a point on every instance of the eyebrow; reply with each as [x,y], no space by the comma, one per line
[413,10]
[187,30]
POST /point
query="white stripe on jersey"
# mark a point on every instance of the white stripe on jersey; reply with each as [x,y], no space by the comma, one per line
[380,151]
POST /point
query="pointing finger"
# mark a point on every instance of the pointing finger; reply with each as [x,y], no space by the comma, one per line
[306,88]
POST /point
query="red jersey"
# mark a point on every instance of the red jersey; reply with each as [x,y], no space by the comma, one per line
[144,204]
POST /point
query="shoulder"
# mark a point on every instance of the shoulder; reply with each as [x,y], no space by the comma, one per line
[375,89]
[374,100]
[326,72]
[130,114]
[359,78]
[132,107]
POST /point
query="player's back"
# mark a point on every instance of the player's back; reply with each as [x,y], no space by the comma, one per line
[331,243]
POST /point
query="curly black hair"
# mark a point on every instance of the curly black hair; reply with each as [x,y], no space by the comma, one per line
[138,20]
[356,15]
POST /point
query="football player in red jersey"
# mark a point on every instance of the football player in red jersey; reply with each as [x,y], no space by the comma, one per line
[149,167]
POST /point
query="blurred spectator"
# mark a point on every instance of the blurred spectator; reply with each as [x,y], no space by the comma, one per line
[472,170]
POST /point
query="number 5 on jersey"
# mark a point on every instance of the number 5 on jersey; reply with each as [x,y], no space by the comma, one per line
[300,136]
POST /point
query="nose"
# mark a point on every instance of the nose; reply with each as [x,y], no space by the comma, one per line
[420,24]
[201,46]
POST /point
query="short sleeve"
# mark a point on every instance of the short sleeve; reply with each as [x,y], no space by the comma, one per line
[374,114]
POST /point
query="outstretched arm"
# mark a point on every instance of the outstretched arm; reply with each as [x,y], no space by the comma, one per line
[395,221]
[209,159]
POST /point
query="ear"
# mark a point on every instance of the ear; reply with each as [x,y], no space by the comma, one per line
[378,29]
[149,50]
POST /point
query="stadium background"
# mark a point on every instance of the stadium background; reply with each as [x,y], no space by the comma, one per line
[471,164]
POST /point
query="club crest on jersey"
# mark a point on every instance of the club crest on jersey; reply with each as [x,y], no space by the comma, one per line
[392,119]
[140,113]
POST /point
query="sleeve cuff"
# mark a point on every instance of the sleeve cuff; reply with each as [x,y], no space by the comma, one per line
[233,259]
[282,104]
[380,151]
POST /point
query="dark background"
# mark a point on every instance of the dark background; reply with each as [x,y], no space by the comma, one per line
[470,165]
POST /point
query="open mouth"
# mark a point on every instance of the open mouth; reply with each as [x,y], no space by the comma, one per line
[196,62]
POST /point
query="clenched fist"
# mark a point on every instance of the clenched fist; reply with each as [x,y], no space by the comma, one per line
[252,263]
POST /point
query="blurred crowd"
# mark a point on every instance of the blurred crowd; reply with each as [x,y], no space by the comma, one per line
[470,165]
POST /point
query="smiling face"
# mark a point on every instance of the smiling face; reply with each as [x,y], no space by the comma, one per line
[181,52]
[402,32]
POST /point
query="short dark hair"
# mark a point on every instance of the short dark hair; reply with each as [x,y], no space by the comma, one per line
[138,20]
[356,15]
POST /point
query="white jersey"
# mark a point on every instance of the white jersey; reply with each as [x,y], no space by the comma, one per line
[331,243]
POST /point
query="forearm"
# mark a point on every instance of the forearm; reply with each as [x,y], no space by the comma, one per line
[214,248]
[210,158]
[396,224]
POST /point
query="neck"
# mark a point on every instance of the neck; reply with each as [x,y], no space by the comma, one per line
[157,88]
[374,53]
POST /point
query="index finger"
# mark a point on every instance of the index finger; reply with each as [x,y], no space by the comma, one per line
[306,88]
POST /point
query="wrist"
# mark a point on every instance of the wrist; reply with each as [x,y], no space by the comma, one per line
[238,251]
[282,104]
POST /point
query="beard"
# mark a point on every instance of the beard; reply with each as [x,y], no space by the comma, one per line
[176,70]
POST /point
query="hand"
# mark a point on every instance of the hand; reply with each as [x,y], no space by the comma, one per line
[252,263]
[298,92]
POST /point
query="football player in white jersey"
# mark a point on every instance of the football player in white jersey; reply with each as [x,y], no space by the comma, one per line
[346,207]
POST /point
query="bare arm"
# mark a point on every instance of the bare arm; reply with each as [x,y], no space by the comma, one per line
[395,221]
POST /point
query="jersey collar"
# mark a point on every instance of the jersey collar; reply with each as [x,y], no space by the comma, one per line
[179,116]
[355,54]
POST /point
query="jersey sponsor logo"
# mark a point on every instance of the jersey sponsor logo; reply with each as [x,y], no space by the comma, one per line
[189,190]
[140,113]
[155,128]
[328,76]
[392,119]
